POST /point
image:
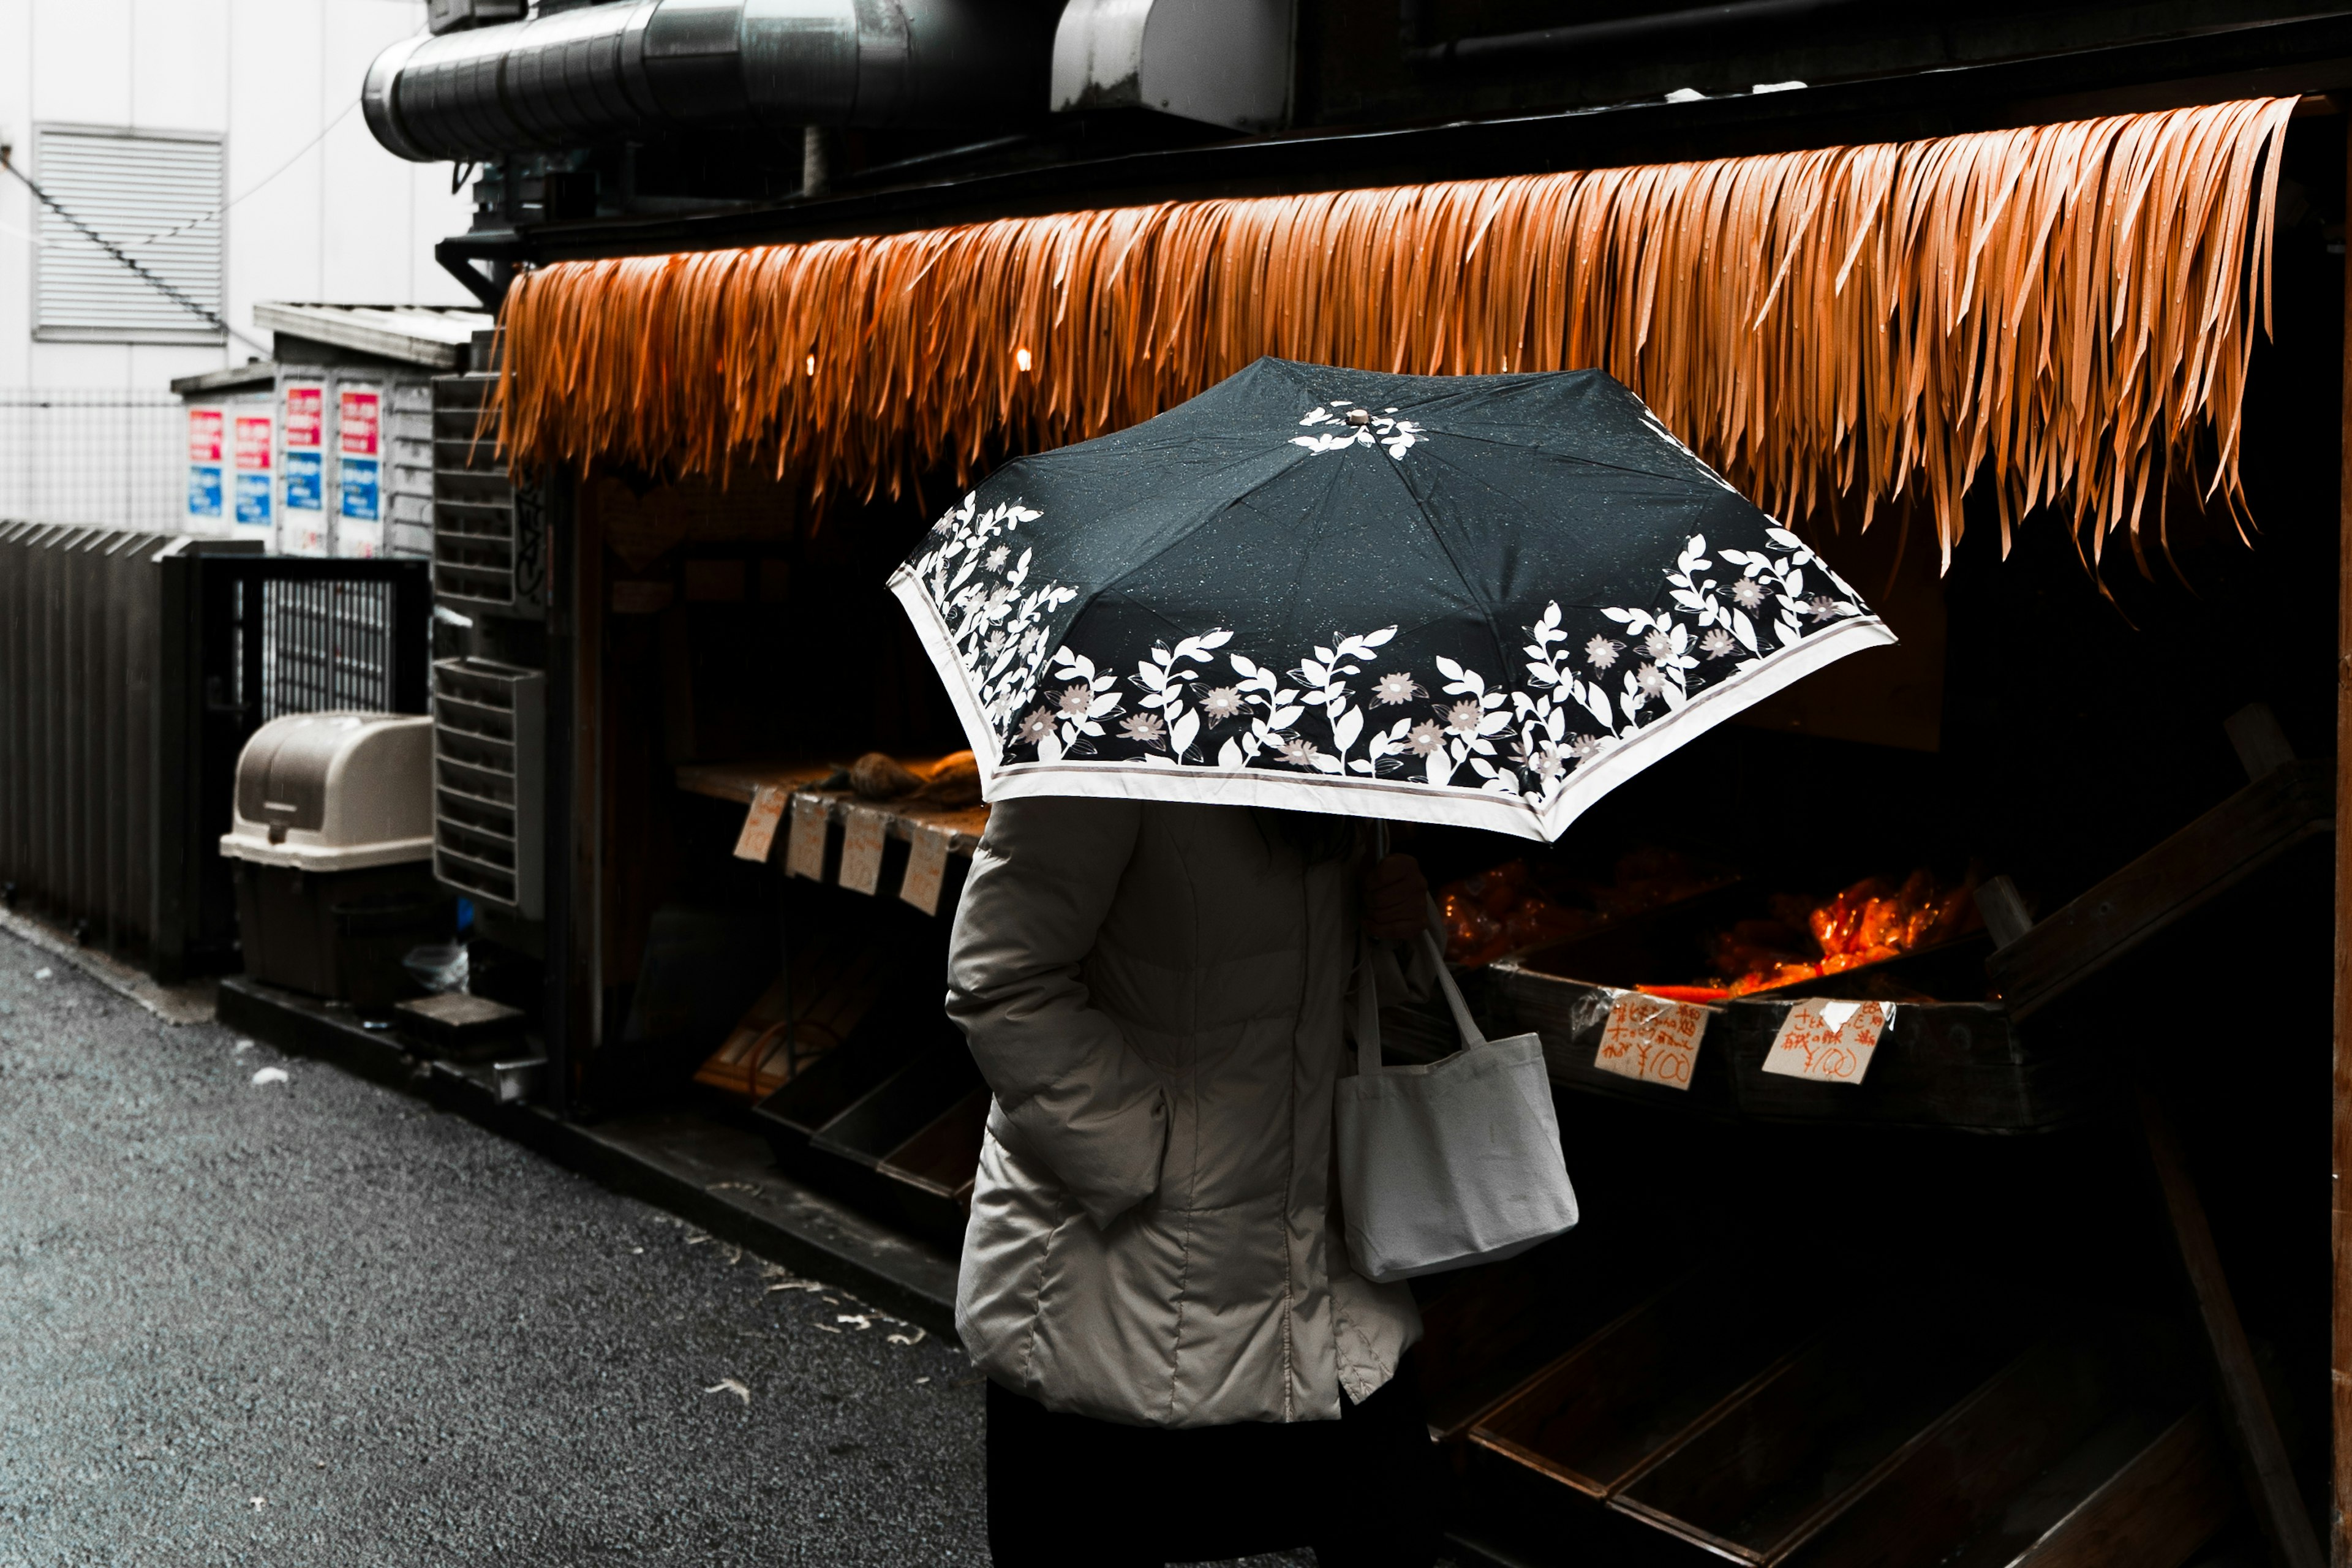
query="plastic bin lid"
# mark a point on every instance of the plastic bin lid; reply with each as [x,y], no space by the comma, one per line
[334,792]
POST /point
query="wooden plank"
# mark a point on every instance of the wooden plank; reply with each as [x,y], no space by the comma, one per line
[2245,1407]
[2156,1510]
[1967,1466]
[1806,1441]
[2226,845]
[2340,1226]
[741,781]
[1601,1413]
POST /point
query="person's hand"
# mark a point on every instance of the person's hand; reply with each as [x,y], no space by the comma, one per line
[1396,899]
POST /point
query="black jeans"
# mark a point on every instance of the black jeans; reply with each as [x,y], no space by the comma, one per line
[1363,1491]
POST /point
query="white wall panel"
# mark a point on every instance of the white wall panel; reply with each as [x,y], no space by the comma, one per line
[371,239]
[80,52]
[179,64]
[311,216]
[278,104]
[97,365]
[17,222]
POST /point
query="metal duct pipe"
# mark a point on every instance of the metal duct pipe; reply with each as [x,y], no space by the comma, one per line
[644,68]
[1699,26]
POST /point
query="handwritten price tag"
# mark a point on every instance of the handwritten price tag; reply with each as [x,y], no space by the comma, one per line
[1651,1039]
[927,867]
[861,851]
[759,835]
[804,850]
[1829,1042]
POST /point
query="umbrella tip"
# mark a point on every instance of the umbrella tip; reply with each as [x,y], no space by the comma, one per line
[1360,416]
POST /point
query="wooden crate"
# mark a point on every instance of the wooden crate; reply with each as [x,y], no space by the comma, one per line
[1961,1065]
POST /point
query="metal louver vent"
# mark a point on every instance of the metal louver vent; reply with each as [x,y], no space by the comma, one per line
[485,551]
[489,731]
[157,198]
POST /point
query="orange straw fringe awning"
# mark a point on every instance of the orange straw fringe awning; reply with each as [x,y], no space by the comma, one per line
[2071,307]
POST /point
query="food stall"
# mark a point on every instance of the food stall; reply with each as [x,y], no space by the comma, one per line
[1935,1050]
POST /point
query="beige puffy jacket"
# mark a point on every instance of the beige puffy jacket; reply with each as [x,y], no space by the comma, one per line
[1155,995]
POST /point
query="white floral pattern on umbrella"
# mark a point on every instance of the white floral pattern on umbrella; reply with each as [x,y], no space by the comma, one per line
[1526,740]
[1201,703]
[1397,436]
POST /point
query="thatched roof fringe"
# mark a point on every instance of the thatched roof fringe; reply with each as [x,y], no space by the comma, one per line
[2063,310]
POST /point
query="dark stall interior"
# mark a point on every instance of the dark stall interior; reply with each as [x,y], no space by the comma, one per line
[1941,1324]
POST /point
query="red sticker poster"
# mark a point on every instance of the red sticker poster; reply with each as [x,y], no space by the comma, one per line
[306,417]
[253,435]
[205,432]
[360,422]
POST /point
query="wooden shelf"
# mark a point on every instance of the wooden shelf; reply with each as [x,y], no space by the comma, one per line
[2288,806]
[741,781]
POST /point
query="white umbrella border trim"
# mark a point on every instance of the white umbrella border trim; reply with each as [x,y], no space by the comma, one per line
[1341,795]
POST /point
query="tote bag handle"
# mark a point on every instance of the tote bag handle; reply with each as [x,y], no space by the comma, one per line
[1368,998]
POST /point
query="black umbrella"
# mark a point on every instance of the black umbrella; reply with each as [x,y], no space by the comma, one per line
[1479,600]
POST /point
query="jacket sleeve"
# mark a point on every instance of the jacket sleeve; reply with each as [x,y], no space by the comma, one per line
[1078,1097]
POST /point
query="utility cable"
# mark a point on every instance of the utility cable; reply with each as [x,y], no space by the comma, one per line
[257,186]
[168,290]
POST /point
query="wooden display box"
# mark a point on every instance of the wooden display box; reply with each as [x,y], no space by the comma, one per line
[1944,1063]
[895,1117]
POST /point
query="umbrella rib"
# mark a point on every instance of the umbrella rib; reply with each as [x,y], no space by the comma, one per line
[1290,600]
[1224,506]
[1557,457]
[1461,578]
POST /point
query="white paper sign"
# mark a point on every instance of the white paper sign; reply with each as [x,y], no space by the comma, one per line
[861,851]
[1651,1039]
[1829,1042]
[805,849]
[927,866]
[759,835]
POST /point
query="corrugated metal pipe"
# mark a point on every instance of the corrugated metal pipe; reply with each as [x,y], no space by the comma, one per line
[641,68]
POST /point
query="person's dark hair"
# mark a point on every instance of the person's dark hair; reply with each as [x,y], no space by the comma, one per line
[1316,835]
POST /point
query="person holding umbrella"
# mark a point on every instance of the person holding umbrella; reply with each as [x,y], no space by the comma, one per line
[1191,658]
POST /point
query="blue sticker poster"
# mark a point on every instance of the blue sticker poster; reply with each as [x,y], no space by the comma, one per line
[252,500]
[255,439]
[358,456]
[305,481]
[362,488]
[204,492]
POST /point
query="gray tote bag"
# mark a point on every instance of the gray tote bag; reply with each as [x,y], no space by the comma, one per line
[1450,1163]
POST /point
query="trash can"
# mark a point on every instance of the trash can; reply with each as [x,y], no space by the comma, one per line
[334,843]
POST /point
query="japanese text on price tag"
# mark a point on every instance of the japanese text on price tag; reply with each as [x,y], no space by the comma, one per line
[1829,1042]
[1651,1039]
[804,850]
[861,849]
[927,866]
[759,835]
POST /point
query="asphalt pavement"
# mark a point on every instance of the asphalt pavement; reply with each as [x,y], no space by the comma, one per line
[254,1310]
